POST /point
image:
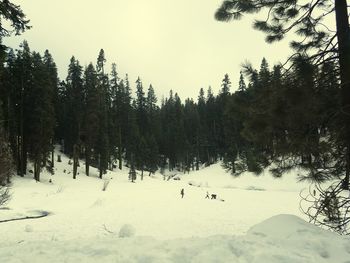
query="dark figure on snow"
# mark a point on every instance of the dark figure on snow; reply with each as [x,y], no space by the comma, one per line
[182,193]
[213,196]
[207,196]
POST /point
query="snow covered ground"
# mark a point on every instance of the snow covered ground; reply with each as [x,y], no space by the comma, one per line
[253,219]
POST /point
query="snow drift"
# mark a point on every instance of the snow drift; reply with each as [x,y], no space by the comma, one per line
[282,238]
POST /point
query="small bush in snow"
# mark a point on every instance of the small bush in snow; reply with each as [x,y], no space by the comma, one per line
[59,190]
[4,195]
[127,231]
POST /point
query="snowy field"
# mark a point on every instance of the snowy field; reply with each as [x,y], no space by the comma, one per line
[253,219]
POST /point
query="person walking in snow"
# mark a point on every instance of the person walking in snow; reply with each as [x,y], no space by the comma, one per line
[182,193]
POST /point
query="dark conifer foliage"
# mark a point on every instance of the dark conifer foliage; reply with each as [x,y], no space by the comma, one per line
[102,147]
[40,125]
[318,45]
[91,117]
[13,20]
[270,116]
[30,84]
[312,131]
[277,117]
[6,162]
[15,16]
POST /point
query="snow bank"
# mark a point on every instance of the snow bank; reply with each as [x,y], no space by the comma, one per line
[282,238]
[291,239]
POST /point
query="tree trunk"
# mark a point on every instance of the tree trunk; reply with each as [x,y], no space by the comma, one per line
[120,149]
[208,157]
[53,155]
[345,184]
[75,160]
[24,158]
[19,162]
[37,169]
[100,166]
[87,161]
[343,36]
[21,134]
[44,161]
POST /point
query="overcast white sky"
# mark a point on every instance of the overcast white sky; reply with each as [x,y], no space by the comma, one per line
[172,44]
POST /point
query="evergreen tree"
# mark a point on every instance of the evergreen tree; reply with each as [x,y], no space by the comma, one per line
[102,148]
[241,86]
[264,74]
[53,83]
[6,163]
[226,85]
[319,44]
[192,132]
[24,84]
[74,111]
[203,141]
[142,120]
[127,118]
[153,134]
[151,99]
[212,122]
[115,117]
[91,117]
[16,18]
[40,126]
[222,101]
[74,106]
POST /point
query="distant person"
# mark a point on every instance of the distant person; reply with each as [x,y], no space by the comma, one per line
[182,193]
[207,196]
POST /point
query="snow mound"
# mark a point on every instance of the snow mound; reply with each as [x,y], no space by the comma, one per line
[28,228]
[282,238]
[302,238]
[126,231]
[282,226]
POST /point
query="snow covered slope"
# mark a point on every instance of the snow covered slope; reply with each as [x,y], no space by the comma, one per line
[283,238]
[84,223]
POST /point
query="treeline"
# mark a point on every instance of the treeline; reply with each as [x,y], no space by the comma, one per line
[95,115]
[288,118]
